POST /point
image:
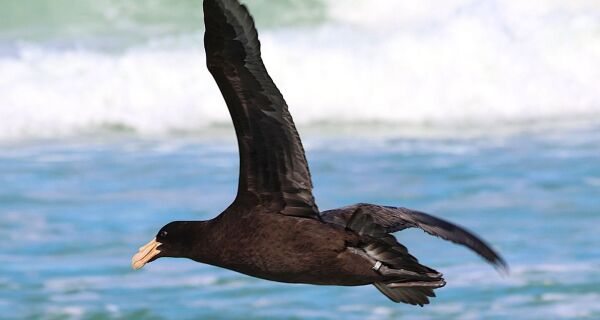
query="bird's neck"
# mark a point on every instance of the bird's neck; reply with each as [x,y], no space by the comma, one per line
[205,239]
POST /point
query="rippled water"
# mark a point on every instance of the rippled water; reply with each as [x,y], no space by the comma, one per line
[73,212]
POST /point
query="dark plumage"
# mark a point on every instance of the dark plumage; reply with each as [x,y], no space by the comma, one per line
[273,230]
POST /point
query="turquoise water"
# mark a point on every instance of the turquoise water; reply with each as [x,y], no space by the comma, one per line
[112,24]
[73,212]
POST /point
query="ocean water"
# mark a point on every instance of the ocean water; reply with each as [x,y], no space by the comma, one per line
[486,113]
[73,213]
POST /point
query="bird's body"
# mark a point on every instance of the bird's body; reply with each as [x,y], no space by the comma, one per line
[273,229]
[286,249]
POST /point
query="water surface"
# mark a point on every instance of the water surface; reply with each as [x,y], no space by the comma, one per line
[72,213]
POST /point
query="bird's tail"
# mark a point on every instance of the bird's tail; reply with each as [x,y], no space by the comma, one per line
[415,293]
[407,280]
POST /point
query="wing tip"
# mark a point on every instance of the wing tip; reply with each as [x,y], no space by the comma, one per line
[472,240]
[501,266]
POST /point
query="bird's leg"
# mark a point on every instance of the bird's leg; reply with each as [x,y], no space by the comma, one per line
[376,264]
[384,270]
[399,273]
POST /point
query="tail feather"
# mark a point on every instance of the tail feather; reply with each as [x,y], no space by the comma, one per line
[412,293]
[407,281]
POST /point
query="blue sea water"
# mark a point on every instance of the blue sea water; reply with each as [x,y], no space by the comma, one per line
[72,213]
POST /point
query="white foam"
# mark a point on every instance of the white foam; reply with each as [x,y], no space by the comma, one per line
[398,62]
[71,312]
[571,306]
[62,284]
[521,275]
[150,91]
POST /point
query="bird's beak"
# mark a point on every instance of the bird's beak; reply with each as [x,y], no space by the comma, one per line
[145,254]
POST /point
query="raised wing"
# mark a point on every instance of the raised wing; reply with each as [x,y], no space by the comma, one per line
[273,168]
[394,219]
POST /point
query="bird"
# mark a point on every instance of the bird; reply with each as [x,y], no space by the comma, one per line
[273,229]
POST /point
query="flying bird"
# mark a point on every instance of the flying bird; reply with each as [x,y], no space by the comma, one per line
[273,229]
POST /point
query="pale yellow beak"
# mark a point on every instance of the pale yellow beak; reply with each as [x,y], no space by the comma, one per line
[145,254]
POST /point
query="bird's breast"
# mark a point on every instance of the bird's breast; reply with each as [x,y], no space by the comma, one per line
[282,248]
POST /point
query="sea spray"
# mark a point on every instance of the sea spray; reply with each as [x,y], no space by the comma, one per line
[461,63]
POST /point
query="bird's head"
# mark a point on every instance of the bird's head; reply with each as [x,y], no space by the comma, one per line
[171,241]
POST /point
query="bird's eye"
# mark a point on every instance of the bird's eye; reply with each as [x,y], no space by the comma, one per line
[163,234]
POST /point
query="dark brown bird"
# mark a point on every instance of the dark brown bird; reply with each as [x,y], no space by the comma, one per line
[273,229]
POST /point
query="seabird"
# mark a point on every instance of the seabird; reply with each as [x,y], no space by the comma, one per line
[273,230]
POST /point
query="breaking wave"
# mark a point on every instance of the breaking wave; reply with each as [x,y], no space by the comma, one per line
[461,63]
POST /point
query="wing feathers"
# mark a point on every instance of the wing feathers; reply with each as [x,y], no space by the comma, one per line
[273,168]
[394,219]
